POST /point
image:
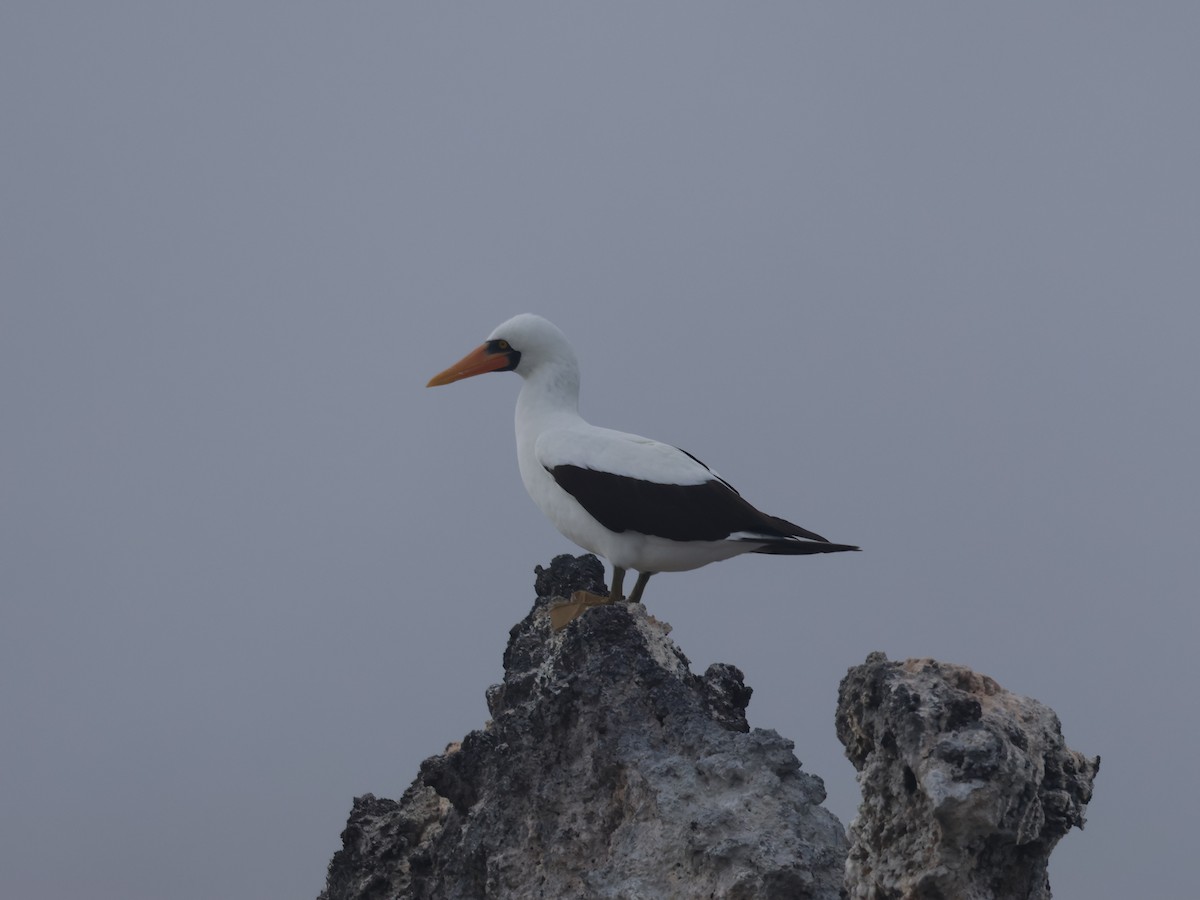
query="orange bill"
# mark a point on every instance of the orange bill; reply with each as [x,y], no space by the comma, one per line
[476,362]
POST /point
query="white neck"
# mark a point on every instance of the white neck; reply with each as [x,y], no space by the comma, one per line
[549,395]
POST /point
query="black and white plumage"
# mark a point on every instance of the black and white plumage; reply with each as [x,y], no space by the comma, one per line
[638,503]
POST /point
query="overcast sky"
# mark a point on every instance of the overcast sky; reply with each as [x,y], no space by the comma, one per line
[920,277]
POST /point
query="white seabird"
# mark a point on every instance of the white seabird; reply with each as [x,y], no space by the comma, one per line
[638,503]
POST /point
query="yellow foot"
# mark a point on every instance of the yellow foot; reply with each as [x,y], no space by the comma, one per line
[564,613]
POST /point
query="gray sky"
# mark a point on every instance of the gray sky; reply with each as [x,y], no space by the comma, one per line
[923,279]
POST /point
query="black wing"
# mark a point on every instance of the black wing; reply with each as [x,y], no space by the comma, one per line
[710,511]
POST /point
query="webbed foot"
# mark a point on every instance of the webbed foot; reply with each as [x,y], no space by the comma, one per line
[565,612]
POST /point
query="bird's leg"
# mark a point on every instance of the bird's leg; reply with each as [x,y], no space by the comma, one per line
[618,582]
[636,596]
[562,614]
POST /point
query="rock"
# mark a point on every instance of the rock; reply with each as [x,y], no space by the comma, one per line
[608,770]
[966,787]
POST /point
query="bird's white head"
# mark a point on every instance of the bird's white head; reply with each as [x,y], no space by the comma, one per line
[525,344]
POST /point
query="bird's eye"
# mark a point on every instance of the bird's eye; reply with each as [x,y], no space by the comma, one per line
[502,345]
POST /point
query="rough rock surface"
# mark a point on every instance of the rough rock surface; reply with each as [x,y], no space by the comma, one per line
[608,770]
[966,787]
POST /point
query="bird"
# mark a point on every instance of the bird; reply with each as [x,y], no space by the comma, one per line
[641,504]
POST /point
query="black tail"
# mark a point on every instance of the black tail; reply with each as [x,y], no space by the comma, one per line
[786,542]
[798,548]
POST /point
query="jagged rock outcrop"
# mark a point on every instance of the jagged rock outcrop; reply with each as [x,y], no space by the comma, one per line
[966,786]
[608,770]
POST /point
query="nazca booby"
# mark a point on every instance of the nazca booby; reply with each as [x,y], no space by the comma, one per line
[638,503]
